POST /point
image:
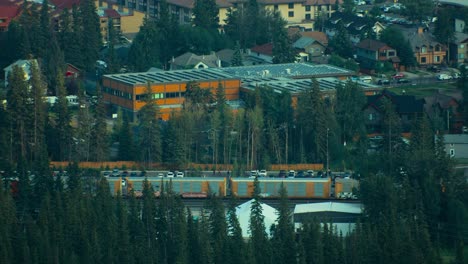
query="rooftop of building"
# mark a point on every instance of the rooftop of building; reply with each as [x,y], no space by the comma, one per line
[294,86]
[350,208]
[291,70]
[170,76]
[456,139]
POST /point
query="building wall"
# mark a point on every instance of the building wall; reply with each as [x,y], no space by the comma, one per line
[169,96]
[301,15]
[457,150]
[430,56]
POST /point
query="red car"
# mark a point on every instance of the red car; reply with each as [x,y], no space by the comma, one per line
[398,75]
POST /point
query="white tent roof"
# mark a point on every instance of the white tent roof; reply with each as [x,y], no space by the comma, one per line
[351,208]
[243,214]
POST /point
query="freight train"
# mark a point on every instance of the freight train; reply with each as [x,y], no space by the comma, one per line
[297,188]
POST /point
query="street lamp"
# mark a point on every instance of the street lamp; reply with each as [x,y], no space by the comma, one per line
[328,156]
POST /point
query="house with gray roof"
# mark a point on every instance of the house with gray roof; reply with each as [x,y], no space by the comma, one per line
[190,60]
[308,48]
[456,145]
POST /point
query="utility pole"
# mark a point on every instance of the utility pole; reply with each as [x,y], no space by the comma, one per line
[328,156]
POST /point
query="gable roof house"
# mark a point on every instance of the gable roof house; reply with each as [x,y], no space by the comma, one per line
[7,14]
[407,107]
[355,26]
[458,48]
[190,60]
[308,48]
[260,54]
[427,50]
[371,52]
[443,109]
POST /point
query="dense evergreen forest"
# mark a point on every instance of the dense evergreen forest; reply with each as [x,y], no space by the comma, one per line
[416,204]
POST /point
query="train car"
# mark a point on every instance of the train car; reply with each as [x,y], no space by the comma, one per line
[304,188]
[186,187]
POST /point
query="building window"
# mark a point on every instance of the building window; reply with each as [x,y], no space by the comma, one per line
[437,59]
[423,59]
[291,5]
[437,48]
[371,116]
[307,16]
[391,54]
[451,145]
[291,14]
[383,54]
[452,152]
[307,8]
[423,49]
[462,46]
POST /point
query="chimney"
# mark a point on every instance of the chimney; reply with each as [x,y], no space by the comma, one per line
[420,30]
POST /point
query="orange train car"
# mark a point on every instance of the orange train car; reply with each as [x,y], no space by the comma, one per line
[304,188]
[183,186]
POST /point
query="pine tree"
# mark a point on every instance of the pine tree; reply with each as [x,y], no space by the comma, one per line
[149,137]
[237,56]
[283,52]
[62,122]
[206,14]
[236,247]
[126,141]
[259,238]
[99,134]
[283,235]
[91,33]
[218,229]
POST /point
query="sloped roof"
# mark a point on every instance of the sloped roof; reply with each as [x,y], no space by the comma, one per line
[303,42]
[416,39]
[371,44]
[461,37]
[351,208]
[243,214]
[317,35]
[111,13]
[401,103]
[266,49]
[225,54]
[62,4]
[188,59]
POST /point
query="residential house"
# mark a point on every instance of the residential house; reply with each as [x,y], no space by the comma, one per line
[124,20]
[25,65]
[407,107]
[72,72]
[8,12]
[427,50]
[371,52]
[308,48]
[356,27]
[225,56]
[443,110]
[301,13]
[190,60]
[456,145]
[458,51]
[260,54]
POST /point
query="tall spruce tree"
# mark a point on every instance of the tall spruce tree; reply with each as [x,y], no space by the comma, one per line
[99,134]
[259,238]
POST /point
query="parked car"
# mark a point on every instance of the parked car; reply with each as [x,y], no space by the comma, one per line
[262,173]
[310,173]
[365,78]
[282,174]
[180,174]
[291,174]
[133,174]
[142,173]
[398,75]
[383,82]
[115,173]
[160,175]
[433,68]
[403,80]
[300,174]
[443,77]
[253,173]
[170,174]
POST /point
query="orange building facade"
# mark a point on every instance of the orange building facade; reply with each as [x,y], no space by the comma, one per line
[128,91]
